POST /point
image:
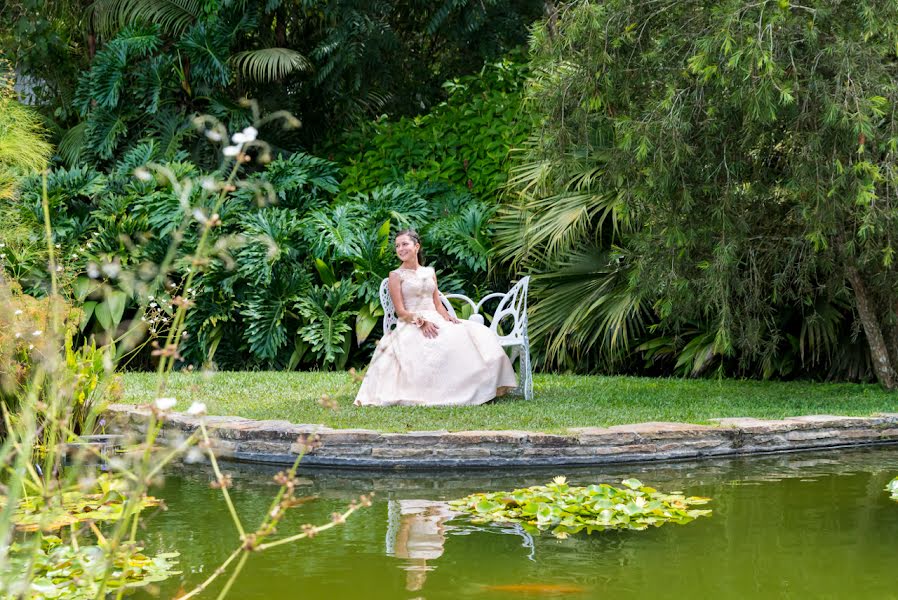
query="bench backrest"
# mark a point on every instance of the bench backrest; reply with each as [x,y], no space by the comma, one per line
[510,314]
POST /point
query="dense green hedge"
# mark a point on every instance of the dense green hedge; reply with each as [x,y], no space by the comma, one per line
[464,141]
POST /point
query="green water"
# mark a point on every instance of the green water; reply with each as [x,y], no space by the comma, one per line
[791,526]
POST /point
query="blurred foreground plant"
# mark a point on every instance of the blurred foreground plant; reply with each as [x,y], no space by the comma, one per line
[64,531]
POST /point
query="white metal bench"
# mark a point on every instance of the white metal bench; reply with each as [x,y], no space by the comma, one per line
[508,322]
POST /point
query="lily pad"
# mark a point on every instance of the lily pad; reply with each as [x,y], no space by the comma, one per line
[563,509]
[104,502]
[892,489]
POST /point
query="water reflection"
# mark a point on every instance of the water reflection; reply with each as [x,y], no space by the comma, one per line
[799,525]
[416,532]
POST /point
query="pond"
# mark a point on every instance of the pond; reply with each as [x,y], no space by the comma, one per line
[788,526]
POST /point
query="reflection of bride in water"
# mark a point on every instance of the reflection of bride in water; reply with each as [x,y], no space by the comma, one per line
[416,532]
[417,529]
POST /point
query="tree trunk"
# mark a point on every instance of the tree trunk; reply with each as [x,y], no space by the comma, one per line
[882,364]
[892,338]
[551,13]
[280,28]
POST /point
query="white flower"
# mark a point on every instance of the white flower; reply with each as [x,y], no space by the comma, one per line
[247,135]
[2,256]
[143,174]
[199,216]
[92,271]
[196,409]
[2,245]
[36,332]
[18,335]
[213,135]
[112,269]
[59,267]
[231,150]
[165,403]
[151,297]
[59,245]
[18,312]
[209,184]
[31,346]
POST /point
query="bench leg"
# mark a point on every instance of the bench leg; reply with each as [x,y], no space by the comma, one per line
[527,372]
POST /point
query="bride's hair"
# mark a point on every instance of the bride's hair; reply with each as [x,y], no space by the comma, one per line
[411,233]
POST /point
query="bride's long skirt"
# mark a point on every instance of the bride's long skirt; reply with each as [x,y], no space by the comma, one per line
[463,365]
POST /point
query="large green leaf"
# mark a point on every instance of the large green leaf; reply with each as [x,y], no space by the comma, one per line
[269,64]
[366,320]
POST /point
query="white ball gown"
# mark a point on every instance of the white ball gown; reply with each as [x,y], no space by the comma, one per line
[463,365]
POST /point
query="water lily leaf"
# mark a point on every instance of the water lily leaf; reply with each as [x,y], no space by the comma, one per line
[564,509]
[485,506]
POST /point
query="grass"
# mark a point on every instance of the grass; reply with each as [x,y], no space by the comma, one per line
[560,401]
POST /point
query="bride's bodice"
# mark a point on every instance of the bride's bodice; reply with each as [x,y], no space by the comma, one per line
[417,288]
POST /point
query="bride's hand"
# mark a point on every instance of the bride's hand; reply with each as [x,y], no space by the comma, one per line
[452,319]
[429,329]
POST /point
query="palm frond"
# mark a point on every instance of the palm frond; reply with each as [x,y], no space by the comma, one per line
[172,16]
[208,47]
[269,64]
[585,306]
[72,143]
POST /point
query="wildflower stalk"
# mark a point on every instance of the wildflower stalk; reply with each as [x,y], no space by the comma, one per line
[222,482]
[239,567]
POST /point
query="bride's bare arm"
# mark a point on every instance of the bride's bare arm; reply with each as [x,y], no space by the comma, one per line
[439,304]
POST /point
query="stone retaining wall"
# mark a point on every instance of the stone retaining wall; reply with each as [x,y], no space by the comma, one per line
[276,442]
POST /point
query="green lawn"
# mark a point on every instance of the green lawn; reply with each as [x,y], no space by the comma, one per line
[560,401]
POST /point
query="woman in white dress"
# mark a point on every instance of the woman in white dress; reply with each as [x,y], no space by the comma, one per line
[431,358]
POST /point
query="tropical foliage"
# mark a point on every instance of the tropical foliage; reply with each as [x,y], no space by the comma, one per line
[713,189]
[464,140]
[564,509]
[296,268]
[329,63]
